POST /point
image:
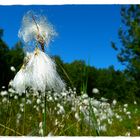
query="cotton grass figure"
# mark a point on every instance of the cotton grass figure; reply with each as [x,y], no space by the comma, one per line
[39,74]
[39,70]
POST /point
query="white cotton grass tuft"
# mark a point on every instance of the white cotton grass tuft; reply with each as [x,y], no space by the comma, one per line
[32,25]
[43,73]
[114,102]
[39,70]
[19,81]
[13,68]
[95,91]
[3,87]
[3,93]
[138,127]
[135,102]
[39,73]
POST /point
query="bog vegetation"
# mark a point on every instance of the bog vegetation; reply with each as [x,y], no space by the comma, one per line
[94,102]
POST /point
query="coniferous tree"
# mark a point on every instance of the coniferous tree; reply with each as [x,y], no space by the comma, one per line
[129,35]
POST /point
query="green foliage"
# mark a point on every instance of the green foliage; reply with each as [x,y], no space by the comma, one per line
[15,56]
[129,35]
[76,72]
[1,33]
[8,58]
[112,84]
[15,122]
[129,52]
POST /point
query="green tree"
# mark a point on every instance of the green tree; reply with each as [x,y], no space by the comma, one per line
[8,58]
[60,66]
[15,56]
[129,35]
[76,73]
[3,56]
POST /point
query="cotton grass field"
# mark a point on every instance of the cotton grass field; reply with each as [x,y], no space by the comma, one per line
[66,115]
[39,103]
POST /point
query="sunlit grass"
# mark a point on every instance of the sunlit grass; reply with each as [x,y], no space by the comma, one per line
[66,115]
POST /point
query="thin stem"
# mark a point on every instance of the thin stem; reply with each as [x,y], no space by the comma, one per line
[12,130]
[39,37]
[94,120]
[45,114]
[35,22]
[66,74]
[24,114]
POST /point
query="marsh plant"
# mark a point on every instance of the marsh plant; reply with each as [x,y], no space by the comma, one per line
[38,72]
[66,114]
[39,103]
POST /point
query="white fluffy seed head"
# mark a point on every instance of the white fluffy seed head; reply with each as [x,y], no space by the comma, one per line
[128,113]
[3,87]
[43,73]
[124,109]
[13,68]
[61,109]
[135,102]
[126,105]
[39,73]
[10,83]
[95,91]
[28,101]
[38,101]
[3,93]
[138,127]
[11,90]
[86,102]
[15,97]
[4,100]
[33,25]
[19,82]
[114,102]
[77,116]
[84,96]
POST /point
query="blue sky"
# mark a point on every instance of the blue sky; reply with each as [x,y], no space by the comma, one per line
[84,32]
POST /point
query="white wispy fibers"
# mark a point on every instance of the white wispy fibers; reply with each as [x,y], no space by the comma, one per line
[34,26]
[42,72]
[22,80]
[39,73]
[19,81]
